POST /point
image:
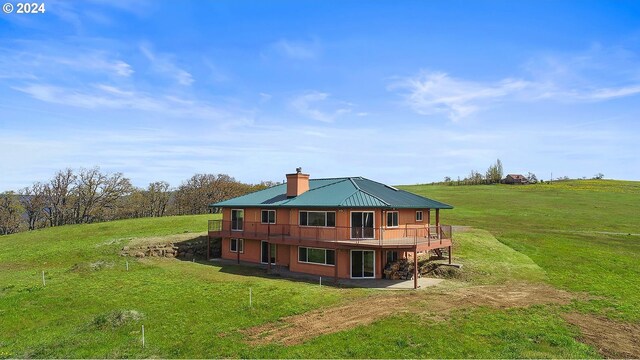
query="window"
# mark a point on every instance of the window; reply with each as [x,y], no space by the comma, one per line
[237,219]
[392,256]
[316,256]
[236,244]
[268,216]
[392,219]
[418,215]
[318,218]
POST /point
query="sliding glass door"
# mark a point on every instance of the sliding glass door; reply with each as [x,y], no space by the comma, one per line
[363,264]
[362,224]
[267,253]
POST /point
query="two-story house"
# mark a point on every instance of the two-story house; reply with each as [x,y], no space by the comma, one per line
[340,227]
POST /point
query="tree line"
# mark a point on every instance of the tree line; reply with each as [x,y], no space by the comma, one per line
[91,195]
[493,175]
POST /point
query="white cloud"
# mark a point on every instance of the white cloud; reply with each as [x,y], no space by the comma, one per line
[50,63]
[610,93]
[264,97]
[95,61]
[297,49]
[311,104]
[102,96]
[163,64]
[436,92]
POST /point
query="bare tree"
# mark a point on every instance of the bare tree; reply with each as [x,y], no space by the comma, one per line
[133,206]
[97,193]
[58,196]
[195,194]
[157,198]
[34,202]
[10,213]
[475,178]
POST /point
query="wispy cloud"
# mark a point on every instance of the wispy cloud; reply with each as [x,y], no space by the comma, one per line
[164,64]
[300,50]
[98,62]
[436,92]
[57,63]
[594,75]
[312,104]
[103,96]
[265,97]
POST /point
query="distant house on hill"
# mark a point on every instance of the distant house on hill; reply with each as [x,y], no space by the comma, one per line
[515,179]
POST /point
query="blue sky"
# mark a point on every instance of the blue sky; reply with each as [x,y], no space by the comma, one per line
[397,91]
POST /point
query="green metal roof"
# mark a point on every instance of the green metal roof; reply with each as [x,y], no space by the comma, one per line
[348,192]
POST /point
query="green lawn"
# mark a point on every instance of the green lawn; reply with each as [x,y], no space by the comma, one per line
[184,305]
[92,307]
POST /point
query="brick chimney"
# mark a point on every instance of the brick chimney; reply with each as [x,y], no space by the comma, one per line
[297,183]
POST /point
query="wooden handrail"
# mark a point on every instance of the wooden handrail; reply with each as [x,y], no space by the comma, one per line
[405,234]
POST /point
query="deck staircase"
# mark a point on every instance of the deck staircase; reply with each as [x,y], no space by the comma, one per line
[440,254]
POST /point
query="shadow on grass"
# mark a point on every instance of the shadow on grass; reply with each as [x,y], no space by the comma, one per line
[261,270]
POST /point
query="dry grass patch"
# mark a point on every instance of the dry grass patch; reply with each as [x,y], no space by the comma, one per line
[611,338]
[296,329]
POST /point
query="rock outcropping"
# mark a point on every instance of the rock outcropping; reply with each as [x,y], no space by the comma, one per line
[195,248]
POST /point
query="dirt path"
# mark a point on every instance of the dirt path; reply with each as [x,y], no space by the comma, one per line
[612,339]
[296,329]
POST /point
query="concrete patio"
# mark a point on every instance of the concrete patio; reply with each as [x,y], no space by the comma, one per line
[381,284]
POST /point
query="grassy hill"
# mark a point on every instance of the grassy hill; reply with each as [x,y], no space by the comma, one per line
[93,307]
[585,233]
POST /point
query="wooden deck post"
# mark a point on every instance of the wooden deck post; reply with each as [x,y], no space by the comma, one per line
[438,231]
[450,254]
[268,257]
[335,267]
[382,264]
[208,247]
[429,224]
[415,268]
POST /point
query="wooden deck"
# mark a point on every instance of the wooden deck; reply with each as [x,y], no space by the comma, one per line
[422,239]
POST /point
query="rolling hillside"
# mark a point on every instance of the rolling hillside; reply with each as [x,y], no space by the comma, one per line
[580,237]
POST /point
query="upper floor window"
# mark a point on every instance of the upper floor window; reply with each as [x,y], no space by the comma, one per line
[268,216]
[318,218]
[418,215]
[392,219]
[237,219]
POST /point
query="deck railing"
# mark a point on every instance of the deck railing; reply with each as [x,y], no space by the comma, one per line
[403,235]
